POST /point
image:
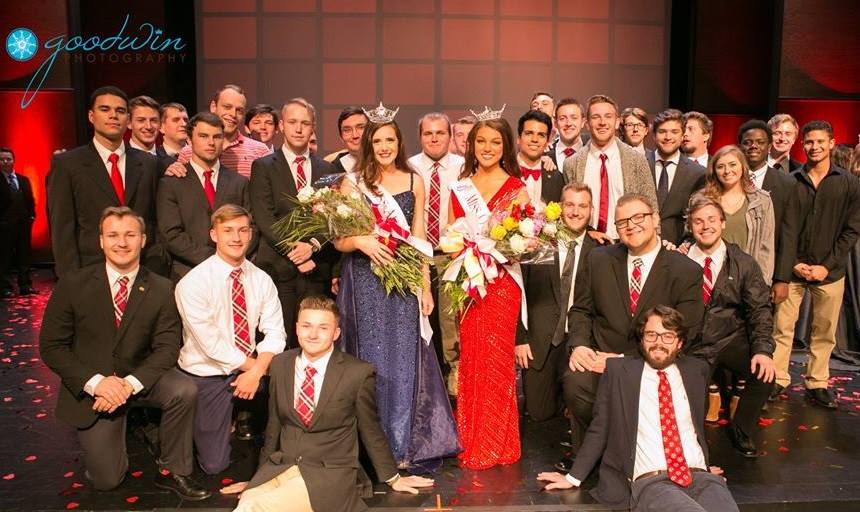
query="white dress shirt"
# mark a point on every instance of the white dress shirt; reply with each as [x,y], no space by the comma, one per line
[701,160]
[533,187]
[306,164]
[718,257]
[104,153]
[560,157]
[113,279]
[671,169]
[169,151]
[562,257]
[348,162]
[135,145]
[757,176]
[204,300]
[450,166]
[319,365]
[199,169]
[615,179]
[640,148]
[647,262]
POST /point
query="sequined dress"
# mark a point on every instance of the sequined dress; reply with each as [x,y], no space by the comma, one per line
[383,330]
[487,416]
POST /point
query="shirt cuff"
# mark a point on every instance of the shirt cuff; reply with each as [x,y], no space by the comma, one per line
[136,384]
[393,479]
[92,384]
[573,481]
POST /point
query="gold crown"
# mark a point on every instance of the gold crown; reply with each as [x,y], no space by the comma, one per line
[487,114]
[381,115]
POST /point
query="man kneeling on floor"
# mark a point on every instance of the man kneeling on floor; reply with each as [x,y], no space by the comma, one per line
[320,401]
[654,458]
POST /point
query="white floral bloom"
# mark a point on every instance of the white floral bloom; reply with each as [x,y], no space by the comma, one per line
[355,195]
[527,227]
[550,229]
[320,193]
[518,244]
[305,195]
[344,210]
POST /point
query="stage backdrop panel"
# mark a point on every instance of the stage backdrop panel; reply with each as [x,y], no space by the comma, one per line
[423,55]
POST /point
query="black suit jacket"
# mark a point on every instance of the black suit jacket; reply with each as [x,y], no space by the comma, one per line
[544,303]
[16,207]
[551,184]
[783,193]
[689,177]
[79,189]
[584,137]
[611,436]
[327,450]
[164,160]
[79,338]
[184,215]
[271,188]
[600,317]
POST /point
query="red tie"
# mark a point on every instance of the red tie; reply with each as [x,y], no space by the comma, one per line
[434,206]
[241,333]
[120,300]
[707,281]
[116,178]
[603,213]
[676,463]
[209,188]
[301,179]
[635,285]
[568,152]
[529,173]
[305,400]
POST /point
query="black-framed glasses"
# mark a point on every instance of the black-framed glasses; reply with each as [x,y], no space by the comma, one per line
[666,338]
[637,219]
[631,126]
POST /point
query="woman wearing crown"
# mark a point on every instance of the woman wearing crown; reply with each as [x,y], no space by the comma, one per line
[391,330]
[487,417]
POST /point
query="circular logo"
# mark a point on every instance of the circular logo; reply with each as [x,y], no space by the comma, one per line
[21,44]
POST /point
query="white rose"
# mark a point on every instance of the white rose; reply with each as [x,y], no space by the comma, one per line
[518,244]
[344,210]
[320,193]
[305,195]
[550,229]
[527,227]
[355,195]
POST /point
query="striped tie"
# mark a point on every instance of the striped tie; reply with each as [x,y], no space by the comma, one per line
[301,178]
[120,299]
[241,333]
[305,400]
[635,285]
[707,281]
[434,204]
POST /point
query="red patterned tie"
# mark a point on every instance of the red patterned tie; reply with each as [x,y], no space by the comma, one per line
[635,285]
[434,206]
[301,179]
[568,152]
[209,188]
[241,333]
[529,173]
[707,281]
[116,178]
[603,213]
[120,300]
[305,400]
[676,463]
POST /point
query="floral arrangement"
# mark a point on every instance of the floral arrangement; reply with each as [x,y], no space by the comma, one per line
[326,214]
[524,235]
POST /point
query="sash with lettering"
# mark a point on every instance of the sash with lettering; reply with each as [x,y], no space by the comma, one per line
[479,257]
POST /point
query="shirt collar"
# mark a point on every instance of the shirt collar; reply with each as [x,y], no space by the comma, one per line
[135,145]
[113,275]
[428,162]
[675,158]
[320,364]
[611,150]
[672,368]
[718,256]
[647,258]
[537,167]
[104,152]
[761,169]
[199,169]
[224,269]
[291,157]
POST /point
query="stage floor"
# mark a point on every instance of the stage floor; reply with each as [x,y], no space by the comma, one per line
[810,457]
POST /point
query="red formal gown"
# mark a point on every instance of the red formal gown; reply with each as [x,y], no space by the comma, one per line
[487,416]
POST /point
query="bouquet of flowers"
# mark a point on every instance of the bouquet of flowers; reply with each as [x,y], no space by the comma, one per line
[327,214]
[524,235]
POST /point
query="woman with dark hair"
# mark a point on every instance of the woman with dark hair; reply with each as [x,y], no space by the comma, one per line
[487,417]
[385,329]
[750,220]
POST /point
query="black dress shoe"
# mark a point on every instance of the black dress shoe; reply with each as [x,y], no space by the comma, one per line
[564,465]
[821,397]
[183,486]
[777,390]
[27,290]
[244,431]
[742,442]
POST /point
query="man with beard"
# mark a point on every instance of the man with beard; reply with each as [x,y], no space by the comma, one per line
[738,325]
[655,458]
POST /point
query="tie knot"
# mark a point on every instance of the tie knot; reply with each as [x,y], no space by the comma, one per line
[661,374]
[708,261]
[208,173]
[603,157]
[436,166]
[300,160]
[235,273]
[113,157]
[664,163]
[637,262]
[310,372]
[122,281]
[569,151]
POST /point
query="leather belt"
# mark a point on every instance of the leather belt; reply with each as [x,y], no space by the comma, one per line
[663,472]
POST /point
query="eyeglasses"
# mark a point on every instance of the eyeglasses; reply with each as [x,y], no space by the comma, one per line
[349,130]
[637,219]
[666,338]
[634,126]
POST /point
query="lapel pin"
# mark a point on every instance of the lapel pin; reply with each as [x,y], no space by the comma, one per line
[141,288]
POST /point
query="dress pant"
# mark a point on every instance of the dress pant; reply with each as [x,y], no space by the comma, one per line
[826,303]
[291,292]
[285,492]
[580,391]
[448,333]
[541,387]
[103,443]
[15,252]
[736,358]
[707,493]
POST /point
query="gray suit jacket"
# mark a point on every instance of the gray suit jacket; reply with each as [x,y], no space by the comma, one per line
[634,171]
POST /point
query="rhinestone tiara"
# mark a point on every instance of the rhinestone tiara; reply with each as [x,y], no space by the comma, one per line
[380,115]
[487,114]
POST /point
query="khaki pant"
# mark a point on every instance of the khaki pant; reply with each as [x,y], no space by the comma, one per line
[450,329]
[286,492]
[826,303]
